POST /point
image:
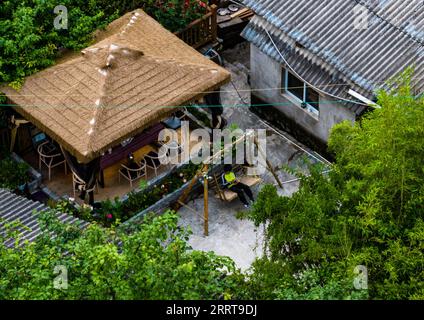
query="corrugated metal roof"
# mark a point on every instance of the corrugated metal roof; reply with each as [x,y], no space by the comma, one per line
[325,34]
[17,208]
[309,69]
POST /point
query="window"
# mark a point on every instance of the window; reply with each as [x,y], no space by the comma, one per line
[295,87]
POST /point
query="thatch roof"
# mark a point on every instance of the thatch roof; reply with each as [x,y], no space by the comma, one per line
[117,87]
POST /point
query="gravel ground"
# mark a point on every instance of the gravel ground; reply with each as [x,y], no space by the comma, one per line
[228,235]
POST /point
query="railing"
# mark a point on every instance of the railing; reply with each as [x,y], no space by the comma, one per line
[201,31]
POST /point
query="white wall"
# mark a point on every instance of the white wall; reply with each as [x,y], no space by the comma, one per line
[266,73]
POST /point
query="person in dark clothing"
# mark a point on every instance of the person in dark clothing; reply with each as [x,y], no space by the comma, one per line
[230,181]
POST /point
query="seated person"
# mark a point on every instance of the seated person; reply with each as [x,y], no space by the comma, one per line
[230,182]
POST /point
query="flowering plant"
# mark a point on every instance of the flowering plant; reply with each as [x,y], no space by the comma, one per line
[176,14]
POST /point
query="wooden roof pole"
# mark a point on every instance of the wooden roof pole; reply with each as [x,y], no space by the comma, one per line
[16,124]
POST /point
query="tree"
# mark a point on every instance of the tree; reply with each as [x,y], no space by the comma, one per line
[154,262]
[368,210]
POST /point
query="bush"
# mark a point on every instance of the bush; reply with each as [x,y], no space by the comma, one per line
[368,211]
[175,14]
[110,212]
[13,174]
[154,262]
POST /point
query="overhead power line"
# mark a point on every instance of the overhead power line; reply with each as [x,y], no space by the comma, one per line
[308,83]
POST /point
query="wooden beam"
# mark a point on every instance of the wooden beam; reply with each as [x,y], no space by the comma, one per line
[220,193]
[240,12]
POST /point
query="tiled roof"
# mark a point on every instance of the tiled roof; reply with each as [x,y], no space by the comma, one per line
[17,208]
[324,33]
[117,87]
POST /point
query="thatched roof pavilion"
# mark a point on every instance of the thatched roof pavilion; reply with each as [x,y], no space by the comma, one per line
[137,75]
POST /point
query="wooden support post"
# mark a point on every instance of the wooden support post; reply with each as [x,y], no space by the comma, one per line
[14,132]
[214,24]
[268,164]
[206,201]
[13,138]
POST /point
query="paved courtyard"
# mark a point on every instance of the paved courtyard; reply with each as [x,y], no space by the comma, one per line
[228,235]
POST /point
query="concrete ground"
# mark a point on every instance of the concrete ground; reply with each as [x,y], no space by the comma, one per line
[229,236]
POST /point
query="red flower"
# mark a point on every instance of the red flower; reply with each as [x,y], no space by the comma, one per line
[109,216]
[199,2]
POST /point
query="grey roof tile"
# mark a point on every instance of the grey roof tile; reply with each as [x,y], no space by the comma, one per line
[17,208]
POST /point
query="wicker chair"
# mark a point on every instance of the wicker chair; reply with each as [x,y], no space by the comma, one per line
[155,161]
[50,156]
[133,174]
[174,150]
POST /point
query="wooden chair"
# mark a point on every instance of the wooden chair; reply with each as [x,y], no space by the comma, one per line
[80,185]
[50,156]
[228,195]
[133,174]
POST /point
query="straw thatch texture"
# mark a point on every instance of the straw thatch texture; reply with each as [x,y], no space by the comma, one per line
[117,87]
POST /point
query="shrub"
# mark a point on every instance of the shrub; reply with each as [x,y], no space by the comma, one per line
[110,212]
[13,174]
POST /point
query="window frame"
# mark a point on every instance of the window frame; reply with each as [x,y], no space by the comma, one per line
[285,91]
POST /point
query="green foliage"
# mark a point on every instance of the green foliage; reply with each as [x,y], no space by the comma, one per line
[368,210]
[140,200]
[272,279]
[29,42]
[112,212]
[83,212]
[174,14]
[143,184]
[13,174]
[154,262]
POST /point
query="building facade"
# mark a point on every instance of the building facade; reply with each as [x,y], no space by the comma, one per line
[308,56]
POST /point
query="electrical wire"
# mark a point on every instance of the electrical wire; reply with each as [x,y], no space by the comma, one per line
[187,92]
[244,104]
[322,160]
[309,84]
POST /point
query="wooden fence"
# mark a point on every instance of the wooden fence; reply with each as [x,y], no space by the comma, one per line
[201,31]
